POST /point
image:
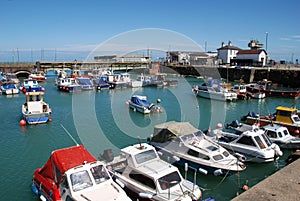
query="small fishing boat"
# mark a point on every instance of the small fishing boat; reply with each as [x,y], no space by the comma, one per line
[160,80]
[35,110]
[68,84]
[141,104]
[100,83]
[146,176]
[12,77]
[276,133]
[193,147]
[38,76]
[213,89]
[30,85]
[85,83]
[74,174]
[265,86]
[253,144]
[281,136]
[284,116]
[121,80]
[9,88]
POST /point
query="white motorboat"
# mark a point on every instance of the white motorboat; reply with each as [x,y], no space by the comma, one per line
[253,144]
[145,175]
[68,84]
[35,110]
[74,174]
[213,89]
[141,104]
[192,146]
[279,135]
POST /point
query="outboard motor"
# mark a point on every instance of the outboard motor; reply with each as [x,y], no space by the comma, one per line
[107,155]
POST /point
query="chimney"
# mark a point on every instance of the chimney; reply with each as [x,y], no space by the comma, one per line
[229,43]
[222,44]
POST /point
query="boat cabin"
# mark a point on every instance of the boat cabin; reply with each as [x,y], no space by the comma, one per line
[287,115]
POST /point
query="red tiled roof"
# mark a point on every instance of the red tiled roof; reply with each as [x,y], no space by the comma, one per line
[250,51]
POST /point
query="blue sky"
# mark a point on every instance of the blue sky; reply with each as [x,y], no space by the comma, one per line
[67,29]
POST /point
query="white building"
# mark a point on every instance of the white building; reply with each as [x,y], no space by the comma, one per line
[227,52]
[257,57]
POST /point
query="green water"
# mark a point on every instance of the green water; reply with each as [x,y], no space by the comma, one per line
[101,120]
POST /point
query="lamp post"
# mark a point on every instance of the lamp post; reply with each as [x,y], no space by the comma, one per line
[267,41]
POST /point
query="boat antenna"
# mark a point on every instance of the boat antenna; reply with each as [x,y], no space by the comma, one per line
[140,142]
[69,135]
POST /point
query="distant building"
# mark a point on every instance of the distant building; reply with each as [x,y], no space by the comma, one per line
[227,52]
[129,58]
[105,59]
[253,57]
[188,58]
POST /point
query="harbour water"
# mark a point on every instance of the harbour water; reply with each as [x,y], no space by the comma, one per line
[101,120]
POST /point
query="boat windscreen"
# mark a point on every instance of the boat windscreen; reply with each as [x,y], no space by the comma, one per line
[145,156]
[84,81]
[169,180]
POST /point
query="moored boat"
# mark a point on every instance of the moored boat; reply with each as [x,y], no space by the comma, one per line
[35,110]
[9,88]
[265,86]
[192,147]
[276,133]
[38,76]
[141,104]
[85,83]
[284,116]
[74,174]
[68,84]
[253,144]
[146,176]
[213,89]
[30,85]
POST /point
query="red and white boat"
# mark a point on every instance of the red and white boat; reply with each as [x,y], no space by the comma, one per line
[74,174]
[38,76]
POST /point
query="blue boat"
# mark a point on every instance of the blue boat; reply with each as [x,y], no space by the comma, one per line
[9,88]
[31,85]
[141,104]
[85,83]
[35,110]
[101,84]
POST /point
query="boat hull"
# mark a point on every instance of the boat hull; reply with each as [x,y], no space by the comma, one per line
[204,168]
[275,93]
[139,108]
[69,88]
[216,96]
[39,118]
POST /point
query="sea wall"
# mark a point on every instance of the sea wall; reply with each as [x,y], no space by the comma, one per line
[282,76]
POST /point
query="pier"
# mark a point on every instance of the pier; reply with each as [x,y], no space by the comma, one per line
[282,185]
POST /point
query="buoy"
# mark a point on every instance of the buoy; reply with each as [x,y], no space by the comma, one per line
[245,187]
[219,125]
[50,118]
[127,102]
[160,110]
[24,90]
[158,101]
[296,131]
[22,122]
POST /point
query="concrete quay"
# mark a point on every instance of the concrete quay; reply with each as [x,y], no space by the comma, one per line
[282,185]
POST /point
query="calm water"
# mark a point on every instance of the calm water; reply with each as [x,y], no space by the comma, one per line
[102,120]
